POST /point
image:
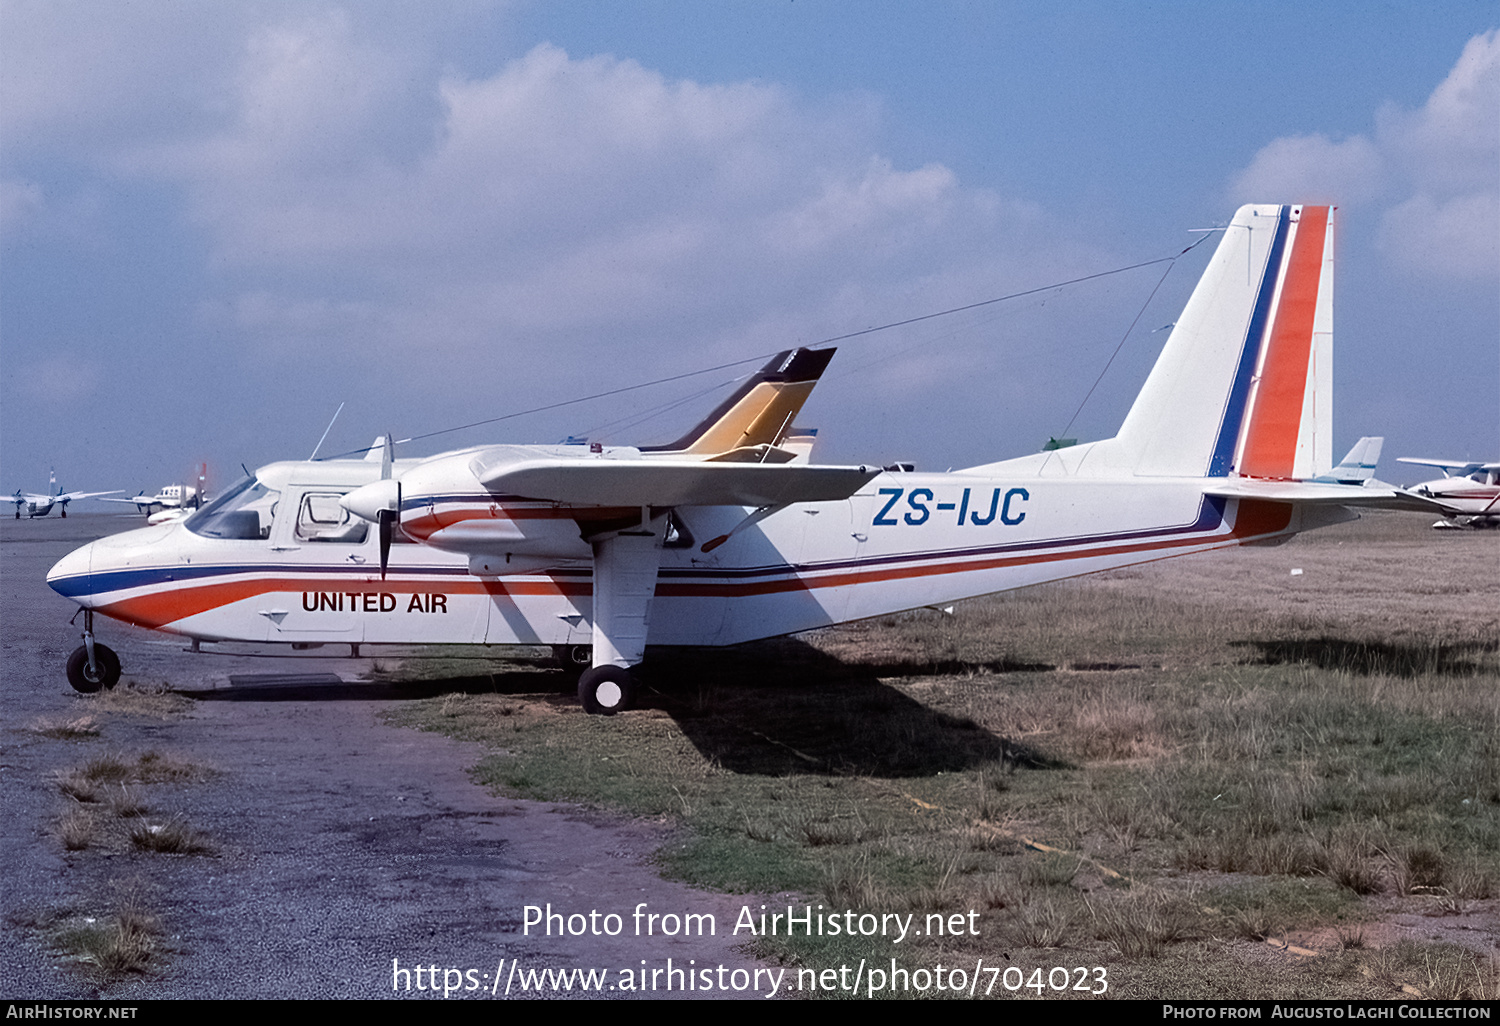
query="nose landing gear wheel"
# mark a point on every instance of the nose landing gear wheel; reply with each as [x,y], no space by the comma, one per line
[106,672]
[605,690]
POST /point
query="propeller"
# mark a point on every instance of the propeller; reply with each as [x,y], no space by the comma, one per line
[379,502]
[386,517]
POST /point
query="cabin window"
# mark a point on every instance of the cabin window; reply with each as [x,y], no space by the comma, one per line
[320,518]
[243,513]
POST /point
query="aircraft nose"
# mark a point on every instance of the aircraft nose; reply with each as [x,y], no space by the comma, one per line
[70,577]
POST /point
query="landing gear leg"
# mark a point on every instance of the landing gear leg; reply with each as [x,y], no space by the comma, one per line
[92,666]
[625,565]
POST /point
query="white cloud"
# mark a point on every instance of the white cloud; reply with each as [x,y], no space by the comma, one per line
[543,204]
[1432,175]
[1312,169]
[1457,238]
[1451,145]
[370,219]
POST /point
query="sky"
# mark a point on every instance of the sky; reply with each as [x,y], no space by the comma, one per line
[219,222]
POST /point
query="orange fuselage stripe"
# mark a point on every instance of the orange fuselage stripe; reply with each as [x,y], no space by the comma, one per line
[158,609]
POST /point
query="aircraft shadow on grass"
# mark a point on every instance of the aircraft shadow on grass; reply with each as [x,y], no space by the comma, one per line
[782,707]
[1371,658]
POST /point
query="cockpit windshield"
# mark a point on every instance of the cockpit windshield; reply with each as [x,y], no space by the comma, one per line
[242,513]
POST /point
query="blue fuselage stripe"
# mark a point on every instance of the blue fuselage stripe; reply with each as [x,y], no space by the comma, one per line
[1209,519]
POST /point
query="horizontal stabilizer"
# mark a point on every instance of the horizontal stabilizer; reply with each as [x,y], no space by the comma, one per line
[1374,496]
[659,483]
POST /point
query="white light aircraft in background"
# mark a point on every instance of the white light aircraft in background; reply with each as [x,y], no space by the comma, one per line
[1469,491]
[173,502]
[40,505]
[729,535]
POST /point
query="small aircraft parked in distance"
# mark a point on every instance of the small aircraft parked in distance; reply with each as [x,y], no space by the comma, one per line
[730,535]
[40,505]
[173,502]
[1469,491]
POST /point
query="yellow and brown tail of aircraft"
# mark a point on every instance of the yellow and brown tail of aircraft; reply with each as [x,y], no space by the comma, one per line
[752,423]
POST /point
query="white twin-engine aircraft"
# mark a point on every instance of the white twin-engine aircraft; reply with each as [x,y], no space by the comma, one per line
[730,534]
[40,505]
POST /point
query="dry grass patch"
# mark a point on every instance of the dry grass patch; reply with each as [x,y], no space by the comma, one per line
[156,768]
[125,804]
[73,784]
[136,698]
[1143,923]
[1115,728]
[86,783]
[171,837]
[66,728]
[111,947]
[1042,923]
[110,814]
[76,830]
[1441,972]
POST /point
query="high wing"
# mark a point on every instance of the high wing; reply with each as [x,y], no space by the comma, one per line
[643,482]
[71,496]
[63,496]
[509,507]
[1450,468]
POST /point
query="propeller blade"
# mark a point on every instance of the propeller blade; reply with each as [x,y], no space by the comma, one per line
[385,519]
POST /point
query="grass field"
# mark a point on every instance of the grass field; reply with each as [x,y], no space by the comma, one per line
[1214,776]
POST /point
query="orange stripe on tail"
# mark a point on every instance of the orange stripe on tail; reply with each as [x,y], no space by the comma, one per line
[1276,420]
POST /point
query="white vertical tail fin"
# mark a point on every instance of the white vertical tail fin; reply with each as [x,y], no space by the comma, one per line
[1359,465]
[1244,384]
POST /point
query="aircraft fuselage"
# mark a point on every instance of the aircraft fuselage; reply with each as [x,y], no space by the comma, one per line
[904,541]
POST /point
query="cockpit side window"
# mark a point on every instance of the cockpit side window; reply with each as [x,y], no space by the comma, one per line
[243,513]
[320,518]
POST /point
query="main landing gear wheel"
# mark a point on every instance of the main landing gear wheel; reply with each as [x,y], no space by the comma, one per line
[106,673]
[605,690]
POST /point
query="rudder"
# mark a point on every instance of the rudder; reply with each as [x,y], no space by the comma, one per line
[1244,383]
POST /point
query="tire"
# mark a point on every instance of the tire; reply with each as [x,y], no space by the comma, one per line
[107,673]
[605,690]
